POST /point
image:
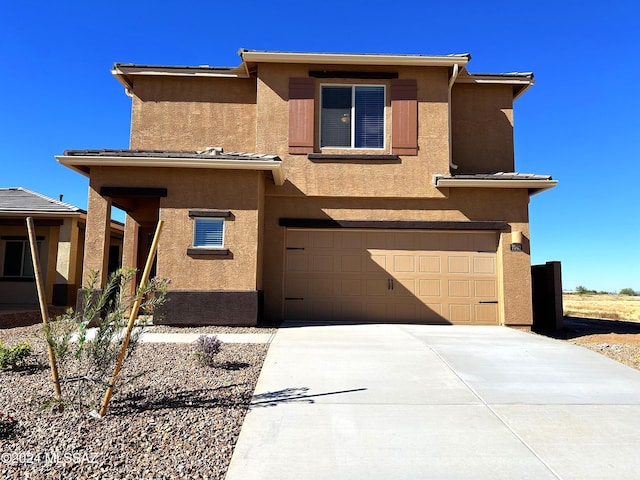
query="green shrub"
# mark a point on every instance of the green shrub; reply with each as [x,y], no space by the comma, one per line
[85,365]
[628,291]
[15,355]
[582,290]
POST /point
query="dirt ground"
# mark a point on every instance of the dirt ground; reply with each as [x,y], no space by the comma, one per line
[616,339]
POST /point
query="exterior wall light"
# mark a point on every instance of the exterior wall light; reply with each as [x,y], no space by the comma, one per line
[516,241]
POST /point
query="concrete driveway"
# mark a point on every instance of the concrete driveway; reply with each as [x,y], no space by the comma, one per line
[437,402]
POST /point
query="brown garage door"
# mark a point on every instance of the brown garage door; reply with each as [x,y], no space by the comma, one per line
[391,276]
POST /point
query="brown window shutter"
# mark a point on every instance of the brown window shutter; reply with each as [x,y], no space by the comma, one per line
[301,101]
[404,112]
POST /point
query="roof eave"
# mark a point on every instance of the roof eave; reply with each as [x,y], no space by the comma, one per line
[520,82]
[83,163]
[252,56]
[533,186]
[124,73]
[40,213]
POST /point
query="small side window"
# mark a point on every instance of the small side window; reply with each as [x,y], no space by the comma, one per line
[208,232]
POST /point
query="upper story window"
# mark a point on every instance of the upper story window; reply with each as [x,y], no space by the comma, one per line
[352,116]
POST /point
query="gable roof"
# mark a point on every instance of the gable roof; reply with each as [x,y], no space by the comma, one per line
[18,200]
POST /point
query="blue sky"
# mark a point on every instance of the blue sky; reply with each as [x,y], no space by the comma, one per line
[578,123]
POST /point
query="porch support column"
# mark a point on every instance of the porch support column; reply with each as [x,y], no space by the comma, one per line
[130,247]
[97,237]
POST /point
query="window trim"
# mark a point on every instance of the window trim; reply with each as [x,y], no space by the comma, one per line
[353,87]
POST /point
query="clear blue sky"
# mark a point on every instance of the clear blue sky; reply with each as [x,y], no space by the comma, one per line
[579,122]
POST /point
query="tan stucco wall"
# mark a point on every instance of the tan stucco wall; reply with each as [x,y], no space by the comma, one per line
[187,189]
[482,128]
[193,113]
[96,246]
[407,178]
[69,253]
[463,204]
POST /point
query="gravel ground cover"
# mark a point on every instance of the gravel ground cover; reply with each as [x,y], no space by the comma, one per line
[616,339]
[211,330]
[179,420]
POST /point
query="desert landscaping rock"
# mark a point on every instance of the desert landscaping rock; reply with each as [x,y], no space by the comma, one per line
[179,420]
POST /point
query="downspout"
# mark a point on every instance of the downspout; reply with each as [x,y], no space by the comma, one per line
[454,75]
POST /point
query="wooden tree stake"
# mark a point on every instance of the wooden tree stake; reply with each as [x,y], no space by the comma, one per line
[132,320]
[42,301]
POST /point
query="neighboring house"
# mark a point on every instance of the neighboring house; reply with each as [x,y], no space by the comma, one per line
[60,232]
[383,189]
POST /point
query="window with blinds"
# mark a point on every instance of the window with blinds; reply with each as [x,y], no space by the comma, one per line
[208,232]
[352,116]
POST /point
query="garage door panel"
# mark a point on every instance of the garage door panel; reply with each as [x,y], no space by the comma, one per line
[297,262]
[485,288]
[405,287]
[324,287]
[484,265]
[376,263]
[351,240]
[296,310]
[351,287]
[404,241]
[403,264]
[429,264]
[432,312]
[430,287]
[322,263]
[459,288]
[376,311]
[458,264]
[377,240]
[297,287]
[350,311]
[377,287]
[297,239]
[486,313]
[323,239]
[460,313]
[351,263]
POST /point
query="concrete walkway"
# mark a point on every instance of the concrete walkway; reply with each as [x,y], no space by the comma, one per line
[150,336]
[437,402]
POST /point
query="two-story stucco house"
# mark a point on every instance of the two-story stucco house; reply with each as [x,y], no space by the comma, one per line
[322,187]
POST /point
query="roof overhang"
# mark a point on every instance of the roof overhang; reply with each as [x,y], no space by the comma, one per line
[519,81]
[125,72]
[256,56]
[83,163]
[533,183]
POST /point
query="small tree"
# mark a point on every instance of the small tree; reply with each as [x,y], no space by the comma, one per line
[86,364]
[628,291]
